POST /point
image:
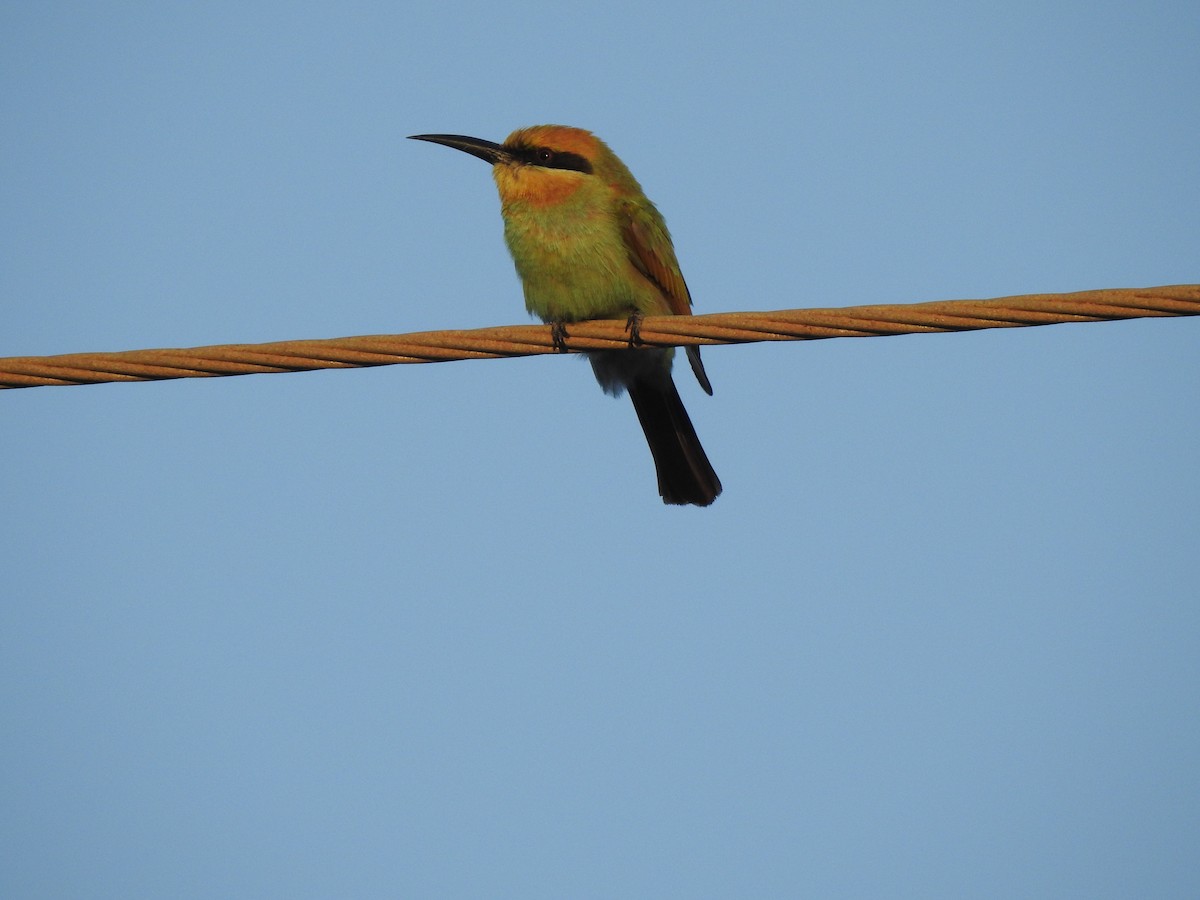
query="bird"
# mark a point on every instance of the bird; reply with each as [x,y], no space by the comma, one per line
[588,244]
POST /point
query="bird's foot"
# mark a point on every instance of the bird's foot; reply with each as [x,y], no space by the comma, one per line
[634,326]
[558,334]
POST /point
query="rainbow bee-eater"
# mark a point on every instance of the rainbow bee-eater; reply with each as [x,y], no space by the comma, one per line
[587,244]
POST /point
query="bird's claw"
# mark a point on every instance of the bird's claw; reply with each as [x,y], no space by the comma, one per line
[558,334]
[634,326]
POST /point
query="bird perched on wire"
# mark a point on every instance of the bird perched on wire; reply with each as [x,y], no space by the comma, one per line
[588,244]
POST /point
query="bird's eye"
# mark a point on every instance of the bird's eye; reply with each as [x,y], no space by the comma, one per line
[545,155]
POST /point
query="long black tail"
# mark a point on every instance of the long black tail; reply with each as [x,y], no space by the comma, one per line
[684,472]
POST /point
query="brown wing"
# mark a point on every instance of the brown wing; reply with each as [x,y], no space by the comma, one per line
[651,252]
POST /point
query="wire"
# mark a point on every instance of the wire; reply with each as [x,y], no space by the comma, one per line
[529,340]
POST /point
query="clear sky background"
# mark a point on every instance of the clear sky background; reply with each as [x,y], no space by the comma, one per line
[428,630]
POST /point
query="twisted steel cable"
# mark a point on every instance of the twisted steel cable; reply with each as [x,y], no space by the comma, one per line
[529,340]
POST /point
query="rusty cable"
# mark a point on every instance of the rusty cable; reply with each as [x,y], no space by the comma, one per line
[529,340]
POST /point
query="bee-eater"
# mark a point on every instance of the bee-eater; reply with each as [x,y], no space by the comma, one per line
[587,244]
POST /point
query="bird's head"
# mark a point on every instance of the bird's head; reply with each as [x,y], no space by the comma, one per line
[544,164]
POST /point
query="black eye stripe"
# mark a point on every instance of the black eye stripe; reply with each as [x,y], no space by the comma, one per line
[548,158]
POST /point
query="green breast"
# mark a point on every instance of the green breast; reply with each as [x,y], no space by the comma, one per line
[573,263]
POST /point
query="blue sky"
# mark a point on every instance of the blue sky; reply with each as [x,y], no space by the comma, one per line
[428,631]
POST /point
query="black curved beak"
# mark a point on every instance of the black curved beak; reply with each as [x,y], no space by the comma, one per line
[488,151]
